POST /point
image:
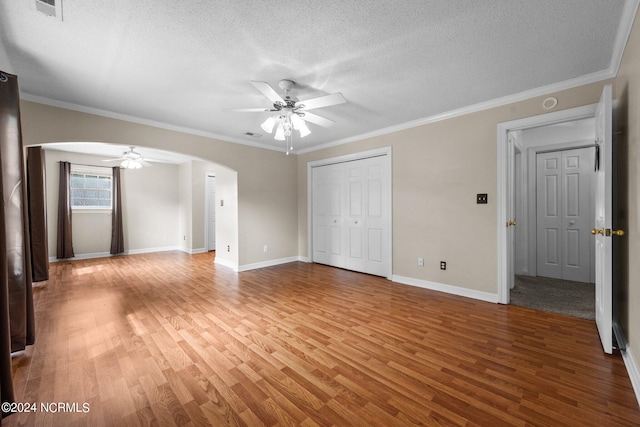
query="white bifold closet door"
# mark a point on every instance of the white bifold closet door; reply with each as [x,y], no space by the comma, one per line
[350,215]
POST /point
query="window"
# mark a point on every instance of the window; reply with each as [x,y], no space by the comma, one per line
[90,187]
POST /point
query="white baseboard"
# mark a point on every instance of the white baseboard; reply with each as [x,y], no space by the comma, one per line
[193,251]
[150,250]
[82,256]
[632,370]
[449,289]
[225,263]
[269,263]
[107,254]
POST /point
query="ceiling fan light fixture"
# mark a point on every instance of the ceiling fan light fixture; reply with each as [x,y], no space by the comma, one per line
[131,164]
[268,124]
[279,133]
[303,129]
[296,121]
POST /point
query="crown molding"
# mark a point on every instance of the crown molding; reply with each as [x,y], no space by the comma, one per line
[134,119]
[624,31]
[498,102]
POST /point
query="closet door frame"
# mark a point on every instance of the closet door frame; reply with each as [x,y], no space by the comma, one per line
[379,152]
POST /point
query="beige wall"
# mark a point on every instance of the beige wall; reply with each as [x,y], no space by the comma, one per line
[267,180]
[226,216]
[185,216]
[437,170]
[150,208]
[627,92]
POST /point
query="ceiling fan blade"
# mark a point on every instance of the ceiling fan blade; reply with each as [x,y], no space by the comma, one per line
[318,120]
[268,91]
[154,160]
[247,110]
[114,160]
[322,101]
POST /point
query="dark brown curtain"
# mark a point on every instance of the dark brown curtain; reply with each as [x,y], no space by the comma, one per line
[65,245]
[17,329]
[6,381]
[37,214]
[117,233]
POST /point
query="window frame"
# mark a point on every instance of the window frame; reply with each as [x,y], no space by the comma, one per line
[97,171]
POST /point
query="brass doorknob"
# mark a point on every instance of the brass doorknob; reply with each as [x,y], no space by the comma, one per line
[596,231]
[617,232]
[510,223]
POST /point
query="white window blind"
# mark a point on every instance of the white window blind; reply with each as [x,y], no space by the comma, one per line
[91,187]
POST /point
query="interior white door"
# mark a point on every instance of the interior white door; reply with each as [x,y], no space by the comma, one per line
[511,210]
[564,212]
[211,213]
[603,221]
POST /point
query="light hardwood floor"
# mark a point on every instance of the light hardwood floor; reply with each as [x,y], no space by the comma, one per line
[170,339]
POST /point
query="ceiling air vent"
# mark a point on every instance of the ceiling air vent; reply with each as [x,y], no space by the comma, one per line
[48,7]
[252,134]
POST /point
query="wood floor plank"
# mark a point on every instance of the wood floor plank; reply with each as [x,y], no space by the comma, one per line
[173,339]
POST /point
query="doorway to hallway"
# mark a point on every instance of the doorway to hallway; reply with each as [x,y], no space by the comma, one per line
[553,245]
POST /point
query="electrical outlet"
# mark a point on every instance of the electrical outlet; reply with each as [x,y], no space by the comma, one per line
[265,249]
[482,198]
[443,265]
[228,248]
[421,261]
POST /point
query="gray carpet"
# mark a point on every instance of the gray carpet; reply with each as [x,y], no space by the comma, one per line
[557,296]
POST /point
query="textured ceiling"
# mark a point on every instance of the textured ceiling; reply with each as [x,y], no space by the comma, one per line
[182,63]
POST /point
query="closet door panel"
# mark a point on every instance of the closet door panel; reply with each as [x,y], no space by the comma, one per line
[549,218]
[328,211]
[378,198]
[356,218]
[578,214]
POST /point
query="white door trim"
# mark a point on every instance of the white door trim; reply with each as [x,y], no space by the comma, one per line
[206,209]
[384,151]
[503,197]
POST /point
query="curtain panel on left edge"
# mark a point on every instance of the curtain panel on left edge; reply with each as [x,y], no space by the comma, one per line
[17,329]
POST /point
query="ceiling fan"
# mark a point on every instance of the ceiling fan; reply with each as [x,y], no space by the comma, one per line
[291,114]
[131,159]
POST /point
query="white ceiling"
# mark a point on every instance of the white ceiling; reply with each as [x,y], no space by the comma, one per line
[398,63]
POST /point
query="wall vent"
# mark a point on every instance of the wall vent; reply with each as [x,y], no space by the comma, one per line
[252,134]
[48,7]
